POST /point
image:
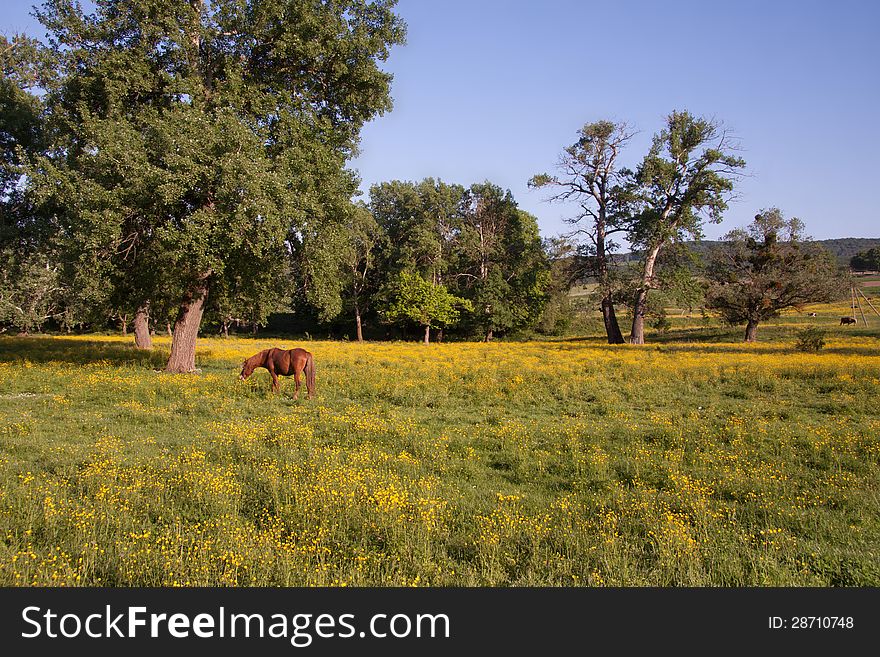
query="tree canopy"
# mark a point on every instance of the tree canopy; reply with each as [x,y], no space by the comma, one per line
[196,146]
[868,260]
[767,267]
[409,297]
[165,161]
[475,242]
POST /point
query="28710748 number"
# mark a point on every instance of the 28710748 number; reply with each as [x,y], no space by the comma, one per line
[811,622]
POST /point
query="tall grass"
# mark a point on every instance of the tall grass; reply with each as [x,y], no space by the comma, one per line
[539,463]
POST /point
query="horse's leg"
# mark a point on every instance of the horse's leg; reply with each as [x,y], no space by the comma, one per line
[296,382]
[275,385]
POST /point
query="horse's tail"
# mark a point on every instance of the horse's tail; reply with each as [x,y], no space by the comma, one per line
[310,374]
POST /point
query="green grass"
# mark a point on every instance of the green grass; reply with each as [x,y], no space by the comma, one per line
[695,460]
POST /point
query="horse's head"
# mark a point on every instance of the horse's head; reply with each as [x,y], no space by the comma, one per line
[247,368]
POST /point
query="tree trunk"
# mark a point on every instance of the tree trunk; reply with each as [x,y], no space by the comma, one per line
[168,329]
[357,319]
[751,331]
[439,336]
[142,339]
[225,329]
[640,306]
[488,335]
[427,334]
[123,319]
[186,330]
[612,328]
[637,334]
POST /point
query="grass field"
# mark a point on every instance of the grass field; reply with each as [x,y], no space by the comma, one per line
[695,460]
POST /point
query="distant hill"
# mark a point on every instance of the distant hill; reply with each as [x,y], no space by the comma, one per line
[846,247]
[843,248]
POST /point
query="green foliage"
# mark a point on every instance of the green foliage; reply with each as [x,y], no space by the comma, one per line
[30,291]
[846,247]
[679,277]
[660,321]
[320,248]
[868,260]
[360,257]
[204,143]
[233,303]
[21,128]
[421,221]
[559,311]
[500,264]
[686,178]
[842,248]
[810,339]
[767,267]
[473,241]
[409,297]
[589,176]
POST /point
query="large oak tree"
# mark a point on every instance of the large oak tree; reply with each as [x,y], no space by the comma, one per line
[196,143]
[686,178]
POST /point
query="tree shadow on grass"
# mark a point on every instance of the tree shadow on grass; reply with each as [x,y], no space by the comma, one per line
[698,335]
[852,351]
[46,349]
[690,335]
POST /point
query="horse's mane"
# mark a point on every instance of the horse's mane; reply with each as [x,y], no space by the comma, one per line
[259,357]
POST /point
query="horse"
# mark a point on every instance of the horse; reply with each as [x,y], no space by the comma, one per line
[281,362]
[847,320]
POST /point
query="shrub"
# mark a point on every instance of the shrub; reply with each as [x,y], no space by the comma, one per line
[810,339]
[661,322]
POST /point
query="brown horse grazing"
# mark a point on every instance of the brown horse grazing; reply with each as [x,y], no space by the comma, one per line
[281,362]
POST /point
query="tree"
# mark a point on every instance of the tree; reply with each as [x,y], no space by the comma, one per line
[21,126]
[32,287]
[422,221]
[318,249]
[498,262]
[142,337]
[233,301]
[473,241]
[868,260]
[30,291]
[589,176]
[195,143]
[766,267]
[359,257]
[559,311]
[410,297]
[686,178]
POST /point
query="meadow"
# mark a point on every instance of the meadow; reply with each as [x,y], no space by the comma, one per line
[693,460]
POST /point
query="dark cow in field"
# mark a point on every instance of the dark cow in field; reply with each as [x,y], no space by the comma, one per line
[847,320]
[811,315]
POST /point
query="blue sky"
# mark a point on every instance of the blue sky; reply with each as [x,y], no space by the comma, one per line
[493,90]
